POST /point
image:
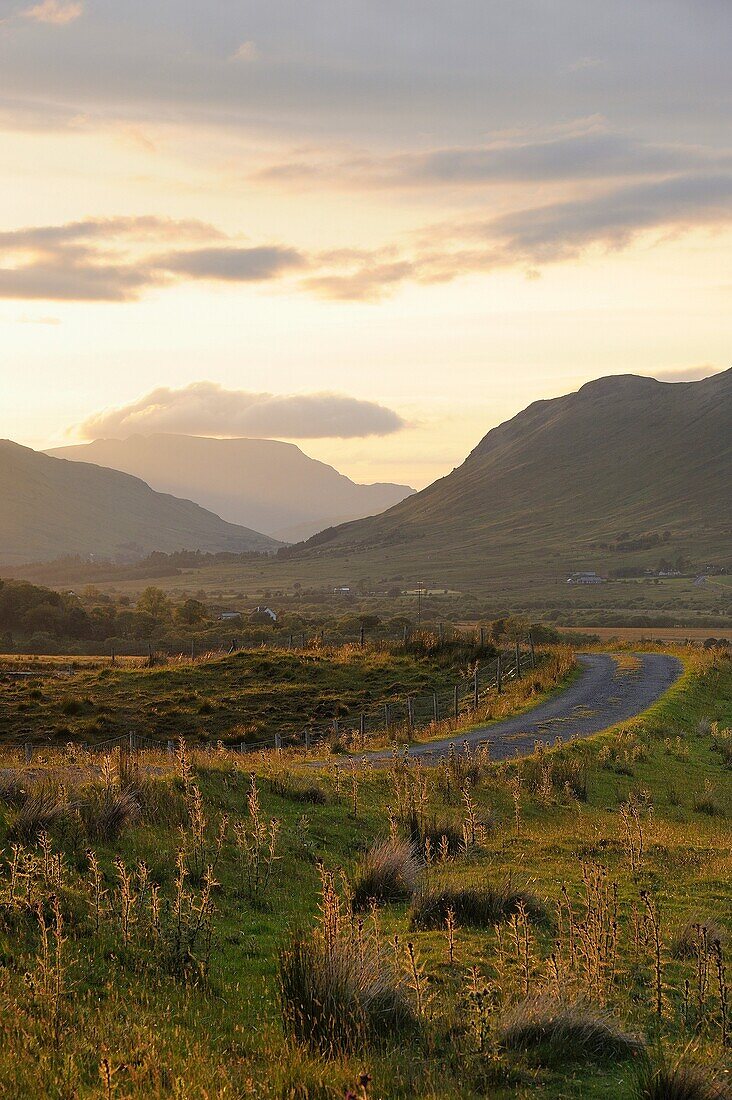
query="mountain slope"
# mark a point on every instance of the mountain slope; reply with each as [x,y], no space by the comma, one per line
[263,483]
[562,483]
[50,508]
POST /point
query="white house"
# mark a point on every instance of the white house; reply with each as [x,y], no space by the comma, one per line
[585,577]
[266,611]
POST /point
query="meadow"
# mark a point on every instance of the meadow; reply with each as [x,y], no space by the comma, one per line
[303,926]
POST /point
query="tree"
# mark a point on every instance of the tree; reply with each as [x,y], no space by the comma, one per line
[191,612]
[153,601]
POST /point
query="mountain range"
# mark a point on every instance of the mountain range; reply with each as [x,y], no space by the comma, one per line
[262,483]
[51,508]
[571,483]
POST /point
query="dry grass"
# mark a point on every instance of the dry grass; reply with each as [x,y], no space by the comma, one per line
[684,1081]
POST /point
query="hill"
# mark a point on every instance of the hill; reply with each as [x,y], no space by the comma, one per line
[51,508]
[263,483]
[619,474]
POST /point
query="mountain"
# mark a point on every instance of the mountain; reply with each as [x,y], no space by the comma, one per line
[263,483]
[51,508]
[592,480]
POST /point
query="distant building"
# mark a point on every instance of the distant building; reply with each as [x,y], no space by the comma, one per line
[227,616]
[700,581]
[265,611]
[585,577]
[342,591]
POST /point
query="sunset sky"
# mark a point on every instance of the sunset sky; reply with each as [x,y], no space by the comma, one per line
[374,227]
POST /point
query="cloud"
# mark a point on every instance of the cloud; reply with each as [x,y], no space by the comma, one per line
[117,259]
[686,374]
[247,51]
[594,152]
[233,264]
[57,12]
[206,408]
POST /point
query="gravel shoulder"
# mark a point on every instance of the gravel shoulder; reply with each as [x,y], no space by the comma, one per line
[610,689]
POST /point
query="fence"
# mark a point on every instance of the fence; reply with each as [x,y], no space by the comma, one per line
[408,715]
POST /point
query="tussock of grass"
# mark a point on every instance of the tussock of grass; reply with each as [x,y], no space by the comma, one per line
[336,1003]
[39,812]
[473,906]
[107,811]
[297,790]
[689,940]
[387,872]
[684,1081]
[559,1032]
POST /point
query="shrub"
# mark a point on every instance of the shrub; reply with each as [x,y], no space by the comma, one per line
[334,1001]
[435,830]
[560,1032]
[40,810]
[473,906]
[387,872]
[684,1081]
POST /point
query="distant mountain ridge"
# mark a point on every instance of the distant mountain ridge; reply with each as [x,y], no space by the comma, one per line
[554,487]
[262,483]
[51,508]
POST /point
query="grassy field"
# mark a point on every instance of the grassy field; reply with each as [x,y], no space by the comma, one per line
[247,696]
[131,970]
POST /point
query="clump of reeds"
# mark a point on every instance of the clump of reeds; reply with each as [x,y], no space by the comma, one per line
[473,906]
[387,872]
[107,811]
[556,1031]
[297,790]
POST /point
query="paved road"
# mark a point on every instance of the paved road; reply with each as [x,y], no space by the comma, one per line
[608,691]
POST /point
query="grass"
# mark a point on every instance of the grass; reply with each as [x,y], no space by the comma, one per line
[159,979]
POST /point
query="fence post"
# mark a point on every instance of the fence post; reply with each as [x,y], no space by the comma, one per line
[362,726]
[278,742]
[289,644]
[335,729]
[475,688]
[440,632]
[131,741]
[531,646]
[302,645]
[242,747]
[482,637]
[386,716]
[361,637]
[457,702]
[307,738]
[435,707]
[406,634]
[518,660]
[499,681]
[112,654]
[28,752]
[410,712]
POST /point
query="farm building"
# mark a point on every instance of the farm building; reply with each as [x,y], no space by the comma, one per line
[585,577]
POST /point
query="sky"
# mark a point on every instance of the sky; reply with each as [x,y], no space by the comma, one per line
[374,227]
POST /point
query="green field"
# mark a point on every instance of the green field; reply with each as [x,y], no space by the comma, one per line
[121,989]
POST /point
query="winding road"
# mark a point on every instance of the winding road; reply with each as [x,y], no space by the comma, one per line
[610,689]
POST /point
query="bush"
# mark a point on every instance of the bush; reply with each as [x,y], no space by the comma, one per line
[435,830]
[473,906]
[387,872]
[335,1002]
[559,1032]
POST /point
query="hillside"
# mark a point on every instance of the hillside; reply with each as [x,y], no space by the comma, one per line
[262,483]
[51,508]
[592,480]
